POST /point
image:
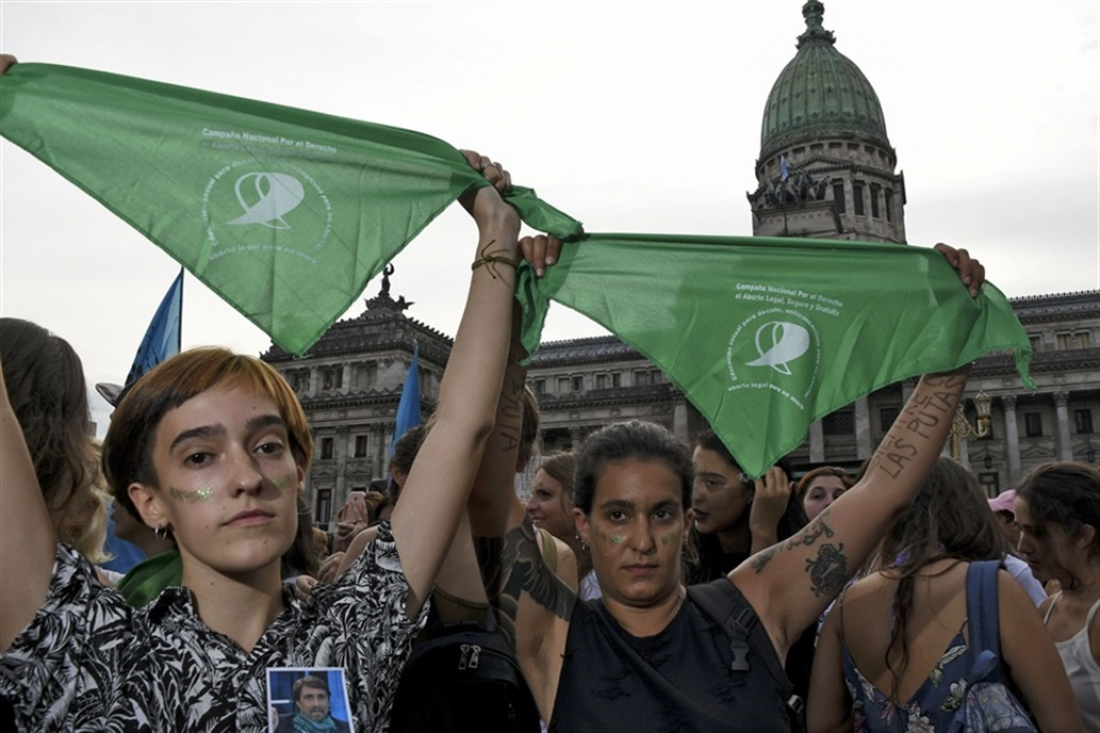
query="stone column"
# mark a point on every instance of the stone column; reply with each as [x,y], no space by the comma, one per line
[314,380]
[577,436]
[377,437]
[347,378]
[907,388]
[864,446]
[680,420]
[1064,448]
[340,455]
[817,442]
[964,451]
[1012,440]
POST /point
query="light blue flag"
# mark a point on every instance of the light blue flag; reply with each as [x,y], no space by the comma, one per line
[162,339]
[783,168]
[408,409]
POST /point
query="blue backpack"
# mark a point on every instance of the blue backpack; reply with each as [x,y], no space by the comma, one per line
[990,703]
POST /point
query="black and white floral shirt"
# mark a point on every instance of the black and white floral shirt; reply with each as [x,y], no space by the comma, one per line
[89,662]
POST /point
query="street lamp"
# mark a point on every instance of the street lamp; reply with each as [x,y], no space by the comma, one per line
[961,427]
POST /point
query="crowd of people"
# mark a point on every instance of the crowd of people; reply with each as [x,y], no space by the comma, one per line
[847,593]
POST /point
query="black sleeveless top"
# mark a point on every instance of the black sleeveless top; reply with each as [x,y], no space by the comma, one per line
[676,681]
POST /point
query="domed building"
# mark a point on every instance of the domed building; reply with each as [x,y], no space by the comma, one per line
[826,167]
[826,170]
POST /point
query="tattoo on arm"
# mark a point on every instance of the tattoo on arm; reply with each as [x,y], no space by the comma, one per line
[760,560]
[828,571]
[512,565]
[811,532]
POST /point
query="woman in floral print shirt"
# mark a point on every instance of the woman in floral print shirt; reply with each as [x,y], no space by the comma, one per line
[213,447]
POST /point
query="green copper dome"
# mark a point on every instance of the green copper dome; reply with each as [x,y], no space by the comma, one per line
[820,92]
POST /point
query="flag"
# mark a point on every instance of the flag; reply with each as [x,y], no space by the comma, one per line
[408,409]
[285,213]
[162,338]
[766,335]
[783,168]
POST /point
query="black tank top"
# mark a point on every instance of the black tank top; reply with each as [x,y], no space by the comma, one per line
[676,681]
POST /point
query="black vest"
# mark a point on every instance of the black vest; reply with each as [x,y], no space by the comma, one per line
[677,681]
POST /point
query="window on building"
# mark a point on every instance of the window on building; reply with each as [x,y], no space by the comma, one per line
[578,383]
[643,378]
[1036,343]
[1083,339]
[875,190]
[540,386]
[1083,420]
[324,506]
[1033,424]
[857,198]
[1064,341]
[563,385]
[365,375]
[990,484]
[616,379]
[332,378]
[841,422]
[838,197]
[602,381]
[360,446]
[886,417]
[326,447]
[889,205]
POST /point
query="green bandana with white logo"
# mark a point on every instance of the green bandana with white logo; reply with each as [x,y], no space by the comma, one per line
[287,214]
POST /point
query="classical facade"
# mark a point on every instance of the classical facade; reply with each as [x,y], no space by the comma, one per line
[350,384]
[826,169]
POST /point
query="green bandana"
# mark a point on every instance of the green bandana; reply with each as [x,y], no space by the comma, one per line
[287,214]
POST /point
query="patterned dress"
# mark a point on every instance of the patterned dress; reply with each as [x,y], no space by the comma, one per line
[931,708]
[89,662]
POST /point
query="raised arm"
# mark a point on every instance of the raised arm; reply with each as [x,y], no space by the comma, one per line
[792,582]
[532,604]
[832,547]
[434,496]
[27,539]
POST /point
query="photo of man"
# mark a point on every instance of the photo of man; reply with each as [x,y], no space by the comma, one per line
[312,709]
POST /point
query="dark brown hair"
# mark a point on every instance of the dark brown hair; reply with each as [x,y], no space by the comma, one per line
[46,388]
[949,518]
[643,441]
[805,482]
[1067,494]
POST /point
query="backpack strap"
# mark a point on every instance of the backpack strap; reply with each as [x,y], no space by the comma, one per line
[724,603]
[983,620]
[549,550]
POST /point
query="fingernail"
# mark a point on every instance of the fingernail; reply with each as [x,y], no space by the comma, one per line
[967,279]
[539,271]
[550,261]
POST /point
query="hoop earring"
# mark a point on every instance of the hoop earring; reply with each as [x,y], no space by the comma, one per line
[161,532]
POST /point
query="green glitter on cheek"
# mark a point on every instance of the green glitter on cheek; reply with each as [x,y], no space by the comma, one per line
[283,482]
[191,497]
[668,538]
[617,539]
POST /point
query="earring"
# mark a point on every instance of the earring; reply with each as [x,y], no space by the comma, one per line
[161,532]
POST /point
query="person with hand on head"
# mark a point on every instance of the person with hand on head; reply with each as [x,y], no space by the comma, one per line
[214,446]
[646,655]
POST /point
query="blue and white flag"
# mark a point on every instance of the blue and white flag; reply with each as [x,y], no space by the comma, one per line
[782,167]
[408,409]
[162,339]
